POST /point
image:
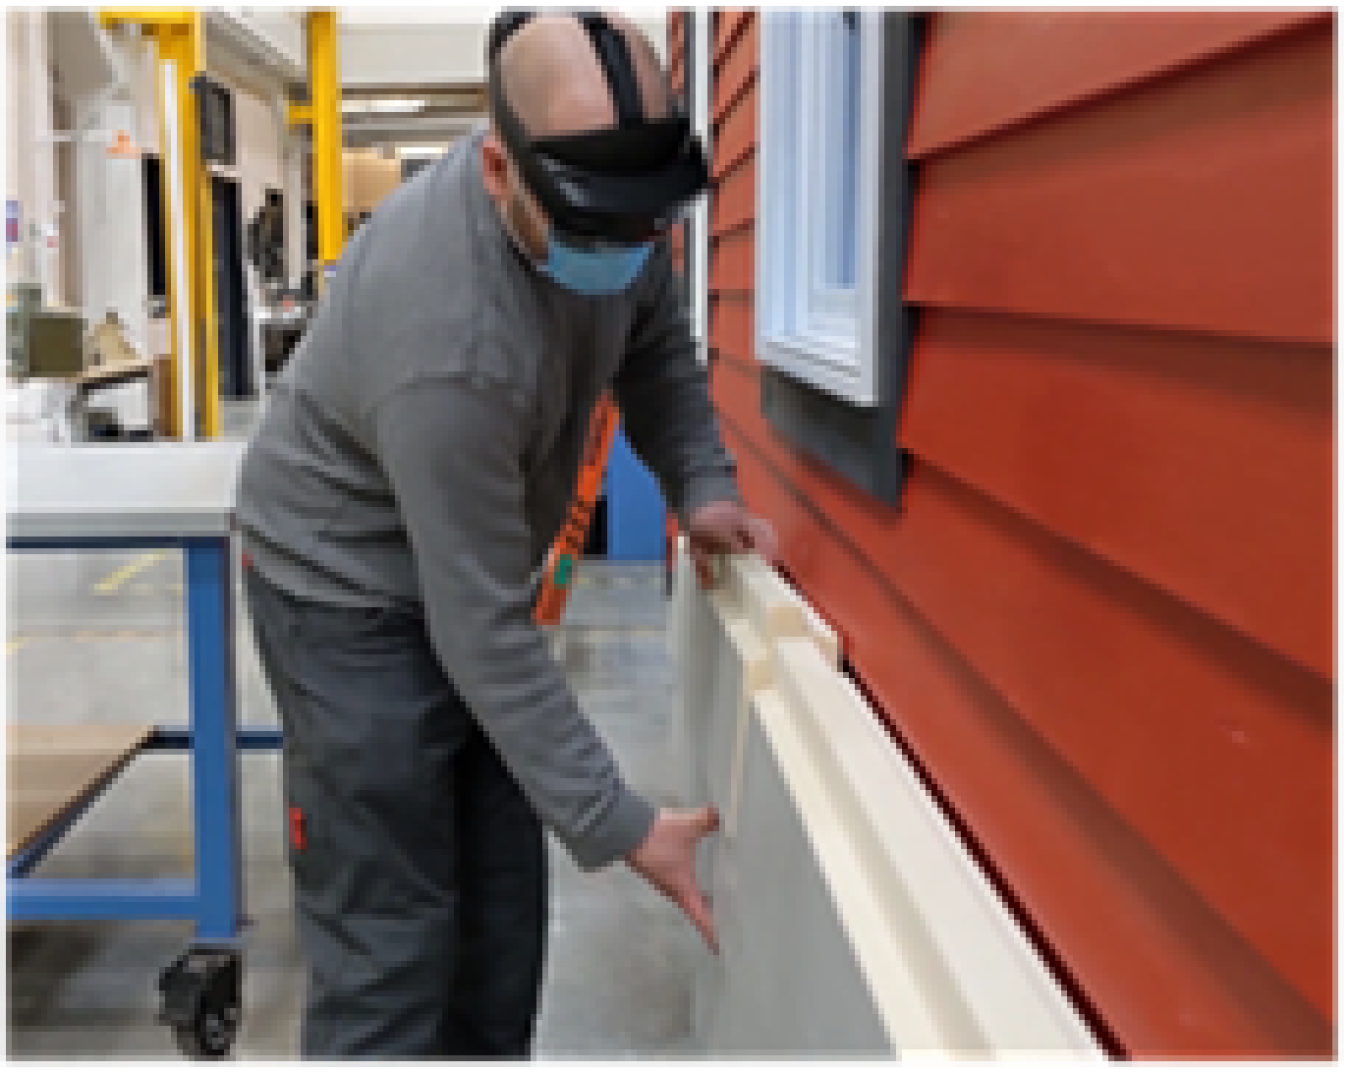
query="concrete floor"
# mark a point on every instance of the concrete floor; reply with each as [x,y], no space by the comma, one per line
[98,637]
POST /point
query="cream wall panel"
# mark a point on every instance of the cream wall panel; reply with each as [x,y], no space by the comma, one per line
[786,983]
[852,919]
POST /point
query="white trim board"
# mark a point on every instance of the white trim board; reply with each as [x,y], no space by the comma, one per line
[698,69]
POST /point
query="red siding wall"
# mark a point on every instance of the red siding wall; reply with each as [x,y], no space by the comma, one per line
[675,49]
[1101,619]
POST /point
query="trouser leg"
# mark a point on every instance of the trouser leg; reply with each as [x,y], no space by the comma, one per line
[494,997]
[372,738]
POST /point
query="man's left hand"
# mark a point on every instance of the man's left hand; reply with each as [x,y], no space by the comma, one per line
[725,527]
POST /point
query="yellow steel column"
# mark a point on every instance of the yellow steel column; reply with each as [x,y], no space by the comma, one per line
[180,38]
[165,52]
[178,34]
[325,117]
[208,379]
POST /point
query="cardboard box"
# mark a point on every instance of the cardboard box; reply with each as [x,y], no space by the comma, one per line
[367,178]
[53,343]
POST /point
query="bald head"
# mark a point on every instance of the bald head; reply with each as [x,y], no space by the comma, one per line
[554,81]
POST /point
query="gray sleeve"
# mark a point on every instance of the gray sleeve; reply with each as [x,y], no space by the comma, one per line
[662,392]
[451,448]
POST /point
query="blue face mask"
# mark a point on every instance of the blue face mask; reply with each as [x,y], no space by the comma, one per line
[607,270]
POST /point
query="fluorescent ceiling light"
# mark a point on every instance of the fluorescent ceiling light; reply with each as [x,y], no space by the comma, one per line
[420,150]
[382,104]
[396,104]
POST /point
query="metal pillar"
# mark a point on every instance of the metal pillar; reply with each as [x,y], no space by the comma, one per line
[180,39]
[324,115]
[325,101]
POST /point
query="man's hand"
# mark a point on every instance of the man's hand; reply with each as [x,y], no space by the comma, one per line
[665,859]
[725,527]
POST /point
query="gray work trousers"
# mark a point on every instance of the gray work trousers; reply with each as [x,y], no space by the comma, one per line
[419,867]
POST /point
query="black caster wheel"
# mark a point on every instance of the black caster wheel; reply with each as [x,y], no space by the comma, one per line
[201,993]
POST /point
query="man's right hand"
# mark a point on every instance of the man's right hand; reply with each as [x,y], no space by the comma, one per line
[665,859]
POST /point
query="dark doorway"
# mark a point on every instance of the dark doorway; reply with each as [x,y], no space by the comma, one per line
[156,258]
[227,229]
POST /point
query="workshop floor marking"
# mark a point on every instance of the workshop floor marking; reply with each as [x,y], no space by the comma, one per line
[113,582]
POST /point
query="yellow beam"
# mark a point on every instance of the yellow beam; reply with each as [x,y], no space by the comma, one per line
[298,115]
[146,16]
[181,41]
[169,48]
[325,103]
[208,365]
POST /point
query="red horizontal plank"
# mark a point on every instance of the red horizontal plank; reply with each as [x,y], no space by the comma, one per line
[1202,203]
[731,321]
[986,71]
[731,262]
[1152,959]
[1215,750]
[740,69]
[735,132]
[734,198]
[1201,464]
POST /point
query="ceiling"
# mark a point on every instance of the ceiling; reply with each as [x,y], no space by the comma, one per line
[419,114]
[416,75]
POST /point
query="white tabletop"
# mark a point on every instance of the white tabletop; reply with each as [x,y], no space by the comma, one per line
[115,491]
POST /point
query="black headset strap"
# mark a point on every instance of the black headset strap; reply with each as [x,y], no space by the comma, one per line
[610,45]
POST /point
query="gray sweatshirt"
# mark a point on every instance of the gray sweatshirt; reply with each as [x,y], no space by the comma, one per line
[422,446]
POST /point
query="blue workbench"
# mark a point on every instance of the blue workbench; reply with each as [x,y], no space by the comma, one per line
[120,496]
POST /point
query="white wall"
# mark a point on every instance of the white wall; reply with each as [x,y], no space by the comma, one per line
[30,166]
[108,83]
[16,72]
[258,140]
[258,131]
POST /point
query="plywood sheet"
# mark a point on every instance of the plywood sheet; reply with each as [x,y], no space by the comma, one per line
[52,769]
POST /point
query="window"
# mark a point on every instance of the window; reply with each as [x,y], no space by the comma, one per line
[835,92]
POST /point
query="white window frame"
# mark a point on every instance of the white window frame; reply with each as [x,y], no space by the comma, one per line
[824,337]
[698,69]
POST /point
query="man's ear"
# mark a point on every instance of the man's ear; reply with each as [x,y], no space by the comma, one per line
[495,167]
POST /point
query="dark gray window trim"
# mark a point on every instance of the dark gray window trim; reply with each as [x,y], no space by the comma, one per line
[859,442]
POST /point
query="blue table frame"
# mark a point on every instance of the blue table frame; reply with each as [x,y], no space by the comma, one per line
[212,897]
